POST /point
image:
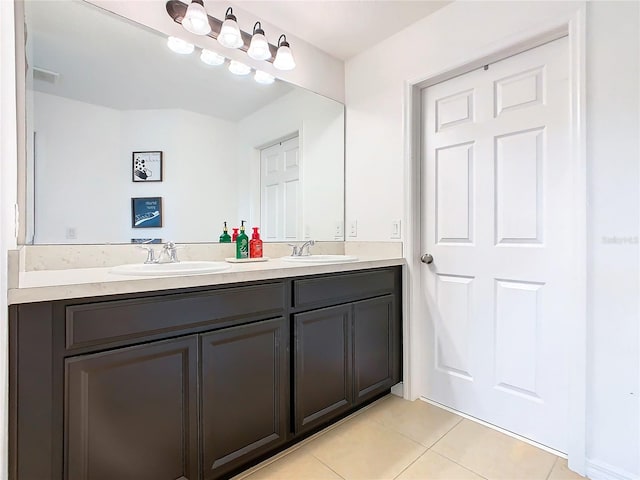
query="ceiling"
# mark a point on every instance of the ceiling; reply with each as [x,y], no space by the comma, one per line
[98,56]
[341,28]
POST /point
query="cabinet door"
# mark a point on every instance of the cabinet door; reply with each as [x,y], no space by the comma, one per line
[374,346]
[323,386]
[245,387]
[132,413]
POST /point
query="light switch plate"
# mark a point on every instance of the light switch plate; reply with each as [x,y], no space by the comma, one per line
[353,228]
[396,229]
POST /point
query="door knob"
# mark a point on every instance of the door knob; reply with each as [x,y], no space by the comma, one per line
[426,258]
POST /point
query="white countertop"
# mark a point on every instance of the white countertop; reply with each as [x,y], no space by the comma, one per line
[44,285]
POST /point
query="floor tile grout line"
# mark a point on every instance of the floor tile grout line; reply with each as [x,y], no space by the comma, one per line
[343,478]
[552,468]
[459,464]
[303,443]
[446,433]
[417,458]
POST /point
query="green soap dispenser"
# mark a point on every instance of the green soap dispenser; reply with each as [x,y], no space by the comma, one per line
[242,243]
[225,237]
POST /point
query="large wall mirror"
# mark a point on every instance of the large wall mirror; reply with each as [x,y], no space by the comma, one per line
[113,115]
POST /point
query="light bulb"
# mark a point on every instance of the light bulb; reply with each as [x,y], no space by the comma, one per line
[264,78]
[196,19]
[238,68]
[259,47]
[284,58]
[180,46]
[230,35]
[211,58]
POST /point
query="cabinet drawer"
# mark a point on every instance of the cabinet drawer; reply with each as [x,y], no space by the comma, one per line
[116,322]
[334,289]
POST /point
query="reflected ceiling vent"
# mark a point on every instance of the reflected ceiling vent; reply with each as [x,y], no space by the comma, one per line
[45,75]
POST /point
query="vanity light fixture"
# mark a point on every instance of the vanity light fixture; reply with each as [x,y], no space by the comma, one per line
[259,47]
[239,68]
[211,58]
[196,19]
[180,46]
[264,78]
[229,34]
[284,58]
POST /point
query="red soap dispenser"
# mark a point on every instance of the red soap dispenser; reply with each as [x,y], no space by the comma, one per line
[235,235]
[255,245]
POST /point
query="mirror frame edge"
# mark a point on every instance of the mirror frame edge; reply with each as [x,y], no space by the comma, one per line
[21,119]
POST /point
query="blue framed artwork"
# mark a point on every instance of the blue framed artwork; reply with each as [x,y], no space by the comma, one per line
[146,212]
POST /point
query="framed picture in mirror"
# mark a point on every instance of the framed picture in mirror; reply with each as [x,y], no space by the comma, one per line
[147,166]
[146,212]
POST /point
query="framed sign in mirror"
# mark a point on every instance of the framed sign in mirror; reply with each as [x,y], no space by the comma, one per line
[147,166]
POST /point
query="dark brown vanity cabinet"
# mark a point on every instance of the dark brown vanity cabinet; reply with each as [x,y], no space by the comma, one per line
[195,383]
[132,412]
[322,365]
[346,354]
[245,388]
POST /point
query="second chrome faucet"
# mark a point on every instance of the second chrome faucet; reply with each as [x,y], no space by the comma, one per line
[302,250]
[168,254]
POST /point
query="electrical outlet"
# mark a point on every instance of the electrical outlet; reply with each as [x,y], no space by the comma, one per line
[396,229]
[353,228]
[71,233]
[307,231]
[338,232]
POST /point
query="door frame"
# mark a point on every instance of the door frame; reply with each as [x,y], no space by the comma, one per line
[413,302]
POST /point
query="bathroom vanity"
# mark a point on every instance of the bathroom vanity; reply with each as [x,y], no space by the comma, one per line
[197,382]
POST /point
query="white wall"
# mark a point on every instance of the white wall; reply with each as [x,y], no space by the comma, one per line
[613,149]
[83,172]
[321,152]
[8,196]
[374,152]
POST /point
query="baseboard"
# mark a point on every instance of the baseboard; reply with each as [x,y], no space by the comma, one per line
[398,390]
[602,471]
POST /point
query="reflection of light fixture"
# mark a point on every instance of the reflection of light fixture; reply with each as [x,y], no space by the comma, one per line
[196,19]
[284,58]
[259,47]
[211,58]
[238,68]
[180,46]
[230,35]
[264,78]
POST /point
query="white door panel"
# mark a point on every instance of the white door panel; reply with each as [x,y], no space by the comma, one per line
[281,194]
[495,216]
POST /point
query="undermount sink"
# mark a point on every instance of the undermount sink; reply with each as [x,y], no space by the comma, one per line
[321,259]
[168,269]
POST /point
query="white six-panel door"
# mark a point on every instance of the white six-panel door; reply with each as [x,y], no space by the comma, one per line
[281,196]
[497,190]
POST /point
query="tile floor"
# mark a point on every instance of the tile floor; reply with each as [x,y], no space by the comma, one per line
[398,439]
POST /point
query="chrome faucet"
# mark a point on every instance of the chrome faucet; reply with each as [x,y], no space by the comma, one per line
[169,251]
[299,251]
[151,254]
